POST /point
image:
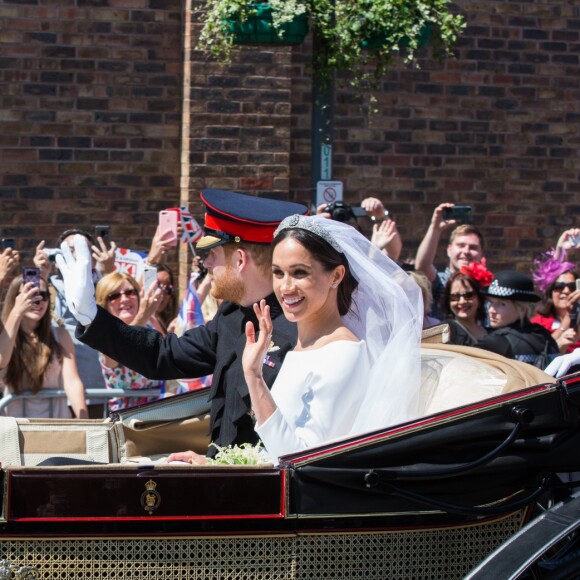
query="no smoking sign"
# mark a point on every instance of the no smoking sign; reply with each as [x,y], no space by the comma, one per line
[328,191]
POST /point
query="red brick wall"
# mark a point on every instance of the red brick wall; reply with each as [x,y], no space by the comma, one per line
[90,118]
[498,127]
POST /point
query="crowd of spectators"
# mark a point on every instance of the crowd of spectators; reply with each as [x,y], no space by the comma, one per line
[531,316]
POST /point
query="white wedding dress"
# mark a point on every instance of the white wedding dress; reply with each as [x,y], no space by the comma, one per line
[318,394]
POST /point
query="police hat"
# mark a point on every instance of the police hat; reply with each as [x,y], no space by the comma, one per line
[512,285]
[237,217]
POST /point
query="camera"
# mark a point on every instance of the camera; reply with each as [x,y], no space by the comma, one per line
[342,212]
[52,252]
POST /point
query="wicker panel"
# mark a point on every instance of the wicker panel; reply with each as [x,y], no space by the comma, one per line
[431,554]
[269,558]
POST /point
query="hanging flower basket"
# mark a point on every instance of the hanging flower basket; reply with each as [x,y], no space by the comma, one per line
[257,28]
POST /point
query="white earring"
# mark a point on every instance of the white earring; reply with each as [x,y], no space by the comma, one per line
[335,285]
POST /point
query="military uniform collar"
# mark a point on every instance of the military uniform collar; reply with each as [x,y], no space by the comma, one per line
[271,301]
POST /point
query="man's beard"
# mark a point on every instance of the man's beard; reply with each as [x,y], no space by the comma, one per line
[228,286]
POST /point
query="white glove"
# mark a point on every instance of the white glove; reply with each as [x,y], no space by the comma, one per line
[560,365]
[77,275]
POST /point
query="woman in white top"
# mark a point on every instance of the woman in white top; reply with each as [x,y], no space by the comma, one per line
[34,355]
[355,367]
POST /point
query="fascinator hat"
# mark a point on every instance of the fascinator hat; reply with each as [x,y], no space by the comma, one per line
[387,313]
[479,272]
[546,269]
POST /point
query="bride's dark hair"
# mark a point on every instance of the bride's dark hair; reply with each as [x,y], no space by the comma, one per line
[330,258]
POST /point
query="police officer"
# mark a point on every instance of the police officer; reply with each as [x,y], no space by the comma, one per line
[238,232]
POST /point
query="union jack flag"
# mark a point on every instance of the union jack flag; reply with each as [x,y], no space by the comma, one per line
[192,231]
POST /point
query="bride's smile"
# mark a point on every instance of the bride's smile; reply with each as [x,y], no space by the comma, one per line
[301,283]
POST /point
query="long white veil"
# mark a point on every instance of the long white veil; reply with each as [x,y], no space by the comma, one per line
[387,313]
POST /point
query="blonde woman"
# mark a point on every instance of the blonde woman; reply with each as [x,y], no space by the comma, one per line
[34,355]
[121,296]
[509,300]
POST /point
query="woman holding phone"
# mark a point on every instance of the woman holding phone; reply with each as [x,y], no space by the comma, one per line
[34,355]
[559,309]
[121,296]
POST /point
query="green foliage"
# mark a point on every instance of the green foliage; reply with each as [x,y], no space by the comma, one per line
[362,37]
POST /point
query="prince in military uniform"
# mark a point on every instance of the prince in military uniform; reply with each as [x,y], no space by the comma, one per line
[239,229]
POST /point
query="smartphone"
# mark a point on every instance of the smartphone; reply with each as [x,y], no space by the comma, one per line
[149,276]
[574,241]
[168,222]
[575,315]
[31,275]
[102,232]
[460,213]
[8,243]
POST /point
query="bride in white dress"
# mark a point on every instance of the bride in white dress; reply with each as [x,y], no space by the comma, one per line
[355,367]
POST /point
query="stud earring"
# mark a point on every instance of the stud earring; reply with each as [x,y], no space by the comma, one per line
[335,285]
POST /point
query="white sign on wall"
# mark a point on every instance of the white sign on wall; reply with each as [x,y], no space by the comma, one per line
[328,191]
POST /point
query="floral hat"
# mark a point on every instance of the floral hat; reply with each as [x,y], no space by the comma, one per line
[547,268]
[479,272]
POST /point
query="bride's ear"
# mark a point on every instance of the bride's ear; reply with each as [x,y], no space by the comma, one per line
[338,276]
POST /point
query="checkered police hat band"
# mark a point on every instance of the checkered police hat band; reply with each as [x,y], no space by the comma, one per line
[496,290]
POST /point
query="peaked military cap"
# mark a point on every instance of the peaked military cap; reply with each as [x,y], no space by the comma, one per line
[238,217]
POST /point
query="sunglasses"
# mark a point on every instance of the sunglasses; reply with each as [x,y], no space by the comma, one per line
[116,295]
[456,296]
[559,286]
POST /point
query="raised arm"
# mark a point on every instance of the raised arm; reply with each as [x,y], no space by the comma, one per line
[263,404]
[424,261]
[22,304]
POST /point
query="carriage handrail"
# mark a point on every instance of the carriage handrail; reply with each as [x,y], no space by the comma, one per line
[89,393]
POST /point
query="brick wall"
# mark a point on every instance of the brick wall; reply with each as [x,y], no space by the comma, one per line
[90,116]
[497,127]
[91,111]
[241,122]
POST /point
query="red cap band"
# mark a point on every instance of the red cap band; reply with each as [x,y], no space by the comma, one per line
[259,234]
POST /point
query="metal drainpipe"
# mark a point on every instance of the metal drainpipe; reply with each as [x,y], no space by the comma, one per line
[185,146]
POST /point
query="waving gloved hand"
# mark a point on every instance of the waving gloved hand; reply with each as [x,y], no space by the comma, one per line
[77,275]
[560,365]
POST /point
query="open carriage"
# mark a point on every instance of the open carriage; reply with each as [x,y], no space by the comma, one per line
[427,499]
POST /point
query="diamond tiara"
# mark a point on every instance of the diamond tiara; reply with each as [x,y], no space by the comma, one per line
[309,224]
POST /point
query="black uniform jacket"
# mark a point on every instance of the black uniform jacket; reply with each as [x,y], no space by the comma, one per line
[521,340]
[216,348]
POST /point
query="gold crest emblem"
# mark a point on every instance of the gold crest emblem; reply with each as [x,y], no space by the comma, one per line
[150,498]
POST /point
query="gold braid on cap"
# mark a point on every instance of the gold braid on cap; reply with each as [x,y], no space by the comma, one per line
[310,224]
